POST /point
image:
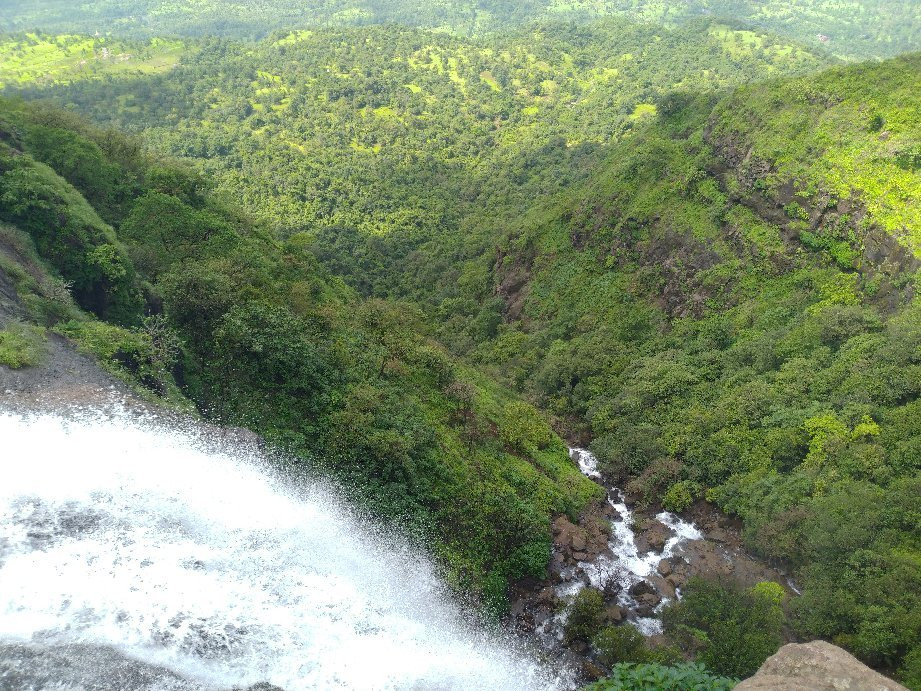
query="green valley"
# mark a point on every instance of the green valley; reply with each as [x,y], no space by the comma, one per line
[423,248]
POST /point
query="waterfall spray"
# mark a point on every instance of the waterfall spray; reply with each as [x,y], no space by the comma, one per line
[135,537]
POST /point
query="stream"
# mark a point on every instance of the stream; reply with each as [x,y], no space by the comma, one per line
[625,566]
[627,575]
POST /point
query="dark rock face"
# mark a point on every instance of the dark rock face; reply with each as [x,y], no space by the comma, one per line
[816,666]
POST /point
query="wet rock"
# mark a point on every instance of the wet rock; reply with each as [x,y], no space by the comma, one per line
[264,686]
[664,568]
[646,604]
[546,598]
[610,513]
[83,666]
[651,535]
[525,623]
[642,588]
[591,671]
[614,614]
[676,580]
[646,596]
[718,535]
[816,666]
[582,542]
[663,587]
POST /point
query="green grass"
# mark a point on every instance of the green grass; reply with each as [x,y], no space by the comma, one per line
[21,345]
[37,58]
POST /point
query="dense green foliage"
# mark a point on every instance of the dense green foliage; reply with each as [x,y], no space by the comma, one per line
[731,631]
[860,28]
[406,135]
[257,334]
[713,279]
[655,677]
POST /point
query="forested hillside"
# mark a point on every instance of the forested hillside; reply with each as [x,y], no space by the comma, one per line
[693,245]
[404,134]
[189,297]
[729,309]
[854,28]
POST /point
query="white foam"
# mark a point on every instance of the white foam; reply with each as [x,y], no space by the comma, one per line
[626,565]
[132,535]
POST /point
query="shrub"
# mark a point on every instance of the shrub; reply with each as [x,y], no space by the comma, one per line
[617,644]
[21,345]
[732,631]
[680,496]
[585,617]
[653,677]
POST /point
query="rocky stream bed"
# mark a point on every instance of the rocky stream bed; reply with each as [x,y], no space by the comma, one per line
[639,558]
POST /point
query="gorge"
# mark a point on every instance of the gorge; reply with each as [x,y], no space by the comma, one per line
[472,343]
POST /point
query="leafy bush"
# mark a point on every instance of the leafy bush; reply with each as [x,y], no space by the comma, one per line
[680,496]
[586,616]
[21,345]
[617,644]
[653,677]
[731,631]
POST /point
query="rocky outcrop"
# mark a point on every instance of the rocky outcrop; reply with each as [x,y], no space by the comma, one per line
[816,666]
[651,535]
[584,541]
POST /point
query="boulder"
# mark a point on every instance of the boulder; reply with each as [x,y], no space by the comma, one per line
[546,597]
[646,596]
[614,614]
[646,604]
[651,535]
[676,580]
[663,587]
[664,568]
[816,666]
[642,588]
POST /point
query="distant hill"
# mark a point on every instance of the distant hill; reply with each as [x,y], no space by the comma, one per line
[854,28]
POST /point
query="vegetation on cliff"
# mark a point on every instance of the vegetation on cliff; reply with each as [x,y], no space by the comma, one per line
[188,291]
[692,244]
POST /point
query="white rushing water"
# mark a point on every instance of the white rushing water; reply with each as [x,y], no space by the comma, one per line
[135,537]
[626,565]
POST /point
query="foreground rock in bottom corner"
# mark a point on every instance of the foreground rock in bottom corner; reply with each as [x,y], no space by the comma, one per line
[816,666]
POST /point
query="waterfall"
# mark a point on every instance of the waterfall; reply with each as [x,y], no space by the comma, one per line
[203,567]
